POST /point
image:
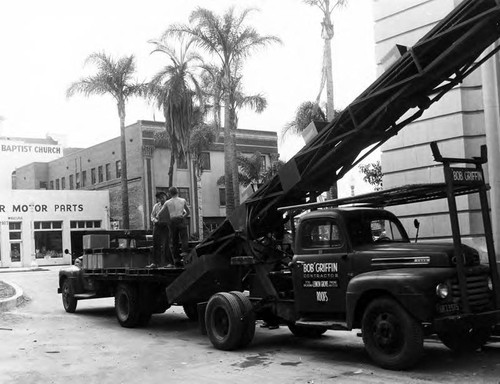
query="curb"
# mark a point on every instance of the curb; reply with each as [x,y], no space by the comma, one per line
[13,301]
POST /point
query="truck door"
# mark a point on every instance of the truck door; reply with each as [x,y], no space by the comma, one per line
[320,268]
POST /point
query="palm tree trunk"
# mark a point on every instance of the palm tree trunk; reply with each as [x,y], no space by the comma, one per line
[229,160]
[234,163]
[171,168]
[124,176]
[330,105]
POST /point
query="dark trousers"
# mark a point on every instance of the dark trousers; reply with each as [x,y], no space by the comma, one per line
[178,227]
[161,244]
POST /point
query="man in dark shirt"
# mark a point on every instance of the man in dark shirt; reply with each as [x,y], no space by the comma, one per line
[161,233]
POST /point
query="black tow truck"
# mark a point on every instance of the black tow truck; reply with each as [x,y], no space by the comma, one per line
[345,268]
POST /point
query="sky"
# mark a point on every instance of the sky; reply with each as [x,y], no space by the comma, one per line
[44,45]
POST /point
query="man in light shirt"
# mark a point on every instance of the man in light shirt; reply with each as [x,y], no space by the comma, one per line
[179,211]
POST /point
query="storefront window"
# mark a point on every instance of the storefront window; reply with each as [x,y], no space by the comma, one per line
[15,237]
[81,224]
[48,239]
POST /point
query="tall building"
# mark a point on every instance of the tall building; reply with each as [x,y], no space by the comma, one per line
[456,123]
[99,168]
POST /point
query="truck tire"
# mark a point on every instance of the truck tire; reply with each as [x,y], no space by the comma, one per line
[308,332]
[246,308]
[191,311]
[68,300]
[464,340]
[392,338]
[127,307]
[223,319]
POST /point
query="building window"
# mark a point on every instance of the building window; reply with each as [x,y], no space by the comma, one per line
[57,184]
[51,184]
[92,176]
[222,197]
[63,183]
[84,178]
[77,181]
[182,162]
[84,224]
[100,173]
[108,172]
[118,169]
[48,239]
[43,185]
[263,166]
[71,182]
[184,193]
[15,237]
[205,161]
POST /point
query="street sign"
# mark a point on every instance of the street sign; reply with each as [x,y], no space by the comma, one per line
[467,176]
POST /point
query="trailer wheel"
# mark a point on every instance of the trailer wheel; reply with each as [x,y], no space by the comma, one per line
[69,301]
[465,340]
[127,306]
[246,308]
[223,319]
[191,311]
[309,332]
[392,338]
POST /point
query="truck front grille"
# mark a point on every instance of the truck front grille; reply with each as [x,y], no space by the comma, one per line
[477,289]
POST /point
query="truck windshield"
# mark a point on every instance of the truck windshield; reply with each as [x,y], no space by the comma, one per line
[369,230]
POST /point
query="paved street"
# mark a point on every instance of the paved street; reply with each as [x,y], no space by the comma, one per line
[40,343]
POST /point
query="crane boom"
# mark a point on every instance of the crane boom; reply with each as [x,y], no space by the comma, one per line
[420,77]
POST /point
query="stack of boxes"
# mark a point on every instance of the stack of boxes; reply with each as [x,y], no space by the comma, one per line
[99,255]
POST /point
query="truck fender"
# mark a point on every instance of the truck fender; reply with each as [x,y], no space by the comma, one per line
[413,288]
[75,275]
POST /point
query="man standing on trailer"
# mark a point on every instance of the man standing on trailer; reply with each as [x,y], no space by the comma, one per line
[179,211]
[161,233]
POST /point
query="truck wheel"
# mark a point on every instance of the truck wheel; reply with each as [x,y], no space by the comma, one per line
[309,332]
[464,340]
[392,338]
[127,306]
[69,301]
[144,318]
[246,308]
[223,319]
[191,311]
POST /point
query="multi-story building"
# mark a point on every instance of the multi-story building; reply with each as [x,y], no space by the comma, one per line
[457,123]
[99,168]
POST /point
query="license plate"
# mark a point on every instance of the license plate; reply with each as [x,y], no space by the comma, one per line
[448,307]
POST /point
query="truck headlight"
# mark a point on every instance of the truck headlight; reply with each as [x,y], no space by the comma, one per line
[442,291]
[490,284]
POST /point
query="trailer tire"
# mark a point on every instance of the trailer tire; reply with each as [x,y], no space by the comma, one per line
[392,338]
[464,340]
[308,332]
[127,307]
[246,308]
[191,311]
[68,298]
[223,319]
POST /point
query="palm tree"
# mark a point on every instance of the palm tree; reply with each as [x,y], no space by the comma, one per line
[307,112]
[327,33]
[113,77]
[229,40]
[174,89]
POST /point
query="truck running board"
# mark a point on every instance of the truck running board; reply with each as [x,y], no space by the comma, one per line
[335,325]
[83,296]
